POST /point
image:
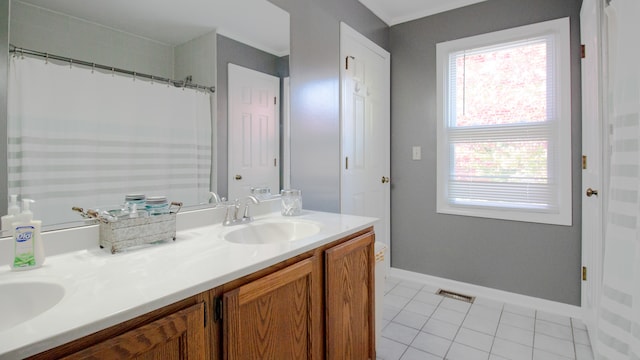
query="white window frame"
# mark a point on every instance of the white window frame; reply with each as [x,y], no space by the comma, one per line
[562,214]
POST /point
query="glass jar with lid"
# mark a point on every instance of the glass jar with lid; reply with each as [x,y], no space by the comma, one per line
[139,200]
[157,205]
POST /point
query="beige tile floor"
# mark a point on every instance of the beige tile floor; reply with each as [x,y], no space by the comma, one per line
[420,325]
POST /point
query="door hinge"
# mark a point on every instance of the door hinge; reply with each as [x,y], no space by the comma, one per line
[346,67]
[275,162]
[217,309]
[346,163]
[274,100]
[584,162]
[583,51]
[584,273]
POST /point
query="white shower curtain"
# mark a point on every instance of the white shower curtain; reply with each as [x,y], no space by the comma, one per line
[79,137]
[618,335]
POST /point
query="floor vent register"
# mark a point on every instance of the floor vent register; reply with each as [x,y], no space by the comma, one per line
[456,296]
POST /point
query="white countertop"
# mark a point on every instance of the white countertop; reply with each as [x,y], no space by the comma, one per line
[102,289]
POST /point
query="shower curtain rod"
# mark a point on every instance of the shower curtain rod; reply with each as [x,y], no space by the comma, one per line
[186,83]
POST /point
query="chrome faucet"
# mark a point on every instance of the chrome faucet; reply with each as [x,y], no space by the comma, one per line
[233,209]
[216,198]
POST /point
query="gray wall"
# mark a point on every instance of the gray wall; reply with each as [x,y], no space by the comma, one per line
[315,90]
[526,258]
[231,51]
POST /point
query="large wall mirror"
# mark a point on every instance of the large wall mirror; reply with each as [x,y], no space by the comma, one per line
[192,41]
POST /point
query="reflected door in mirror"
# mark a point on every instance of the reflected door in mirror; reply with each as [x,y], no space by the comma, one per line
[254,144]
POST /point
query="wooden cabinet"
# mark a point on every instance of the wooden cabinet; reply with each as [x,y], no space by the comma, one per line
[316,305]
[349,293]
[176,331]
[271,318]
[320,307]
[180,335]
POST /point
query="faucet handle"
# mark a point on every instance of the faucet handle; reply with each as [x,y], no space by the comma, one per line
[236,208]
[250,199]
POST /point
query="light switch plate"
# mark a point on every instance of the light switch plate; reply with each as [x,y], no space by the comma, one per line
[417,153]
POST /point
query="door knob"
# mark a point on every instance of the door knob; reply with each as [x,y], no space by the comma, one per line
[238,177]
[591,192]
[385,180]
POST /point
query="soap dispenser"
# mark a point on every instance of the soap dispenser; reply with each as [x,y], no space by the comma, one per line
[8,220]
[28,247]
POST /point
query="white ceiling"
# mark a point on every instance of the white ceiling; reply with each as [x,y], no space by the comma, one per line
[258,23]
[394,12]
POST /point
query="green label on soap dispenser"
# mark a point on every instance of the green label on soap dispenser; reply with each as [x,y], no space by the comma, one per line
[24,247]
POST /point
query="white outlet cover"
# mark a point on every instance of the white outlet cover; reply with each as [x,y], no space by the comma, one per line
[417,153]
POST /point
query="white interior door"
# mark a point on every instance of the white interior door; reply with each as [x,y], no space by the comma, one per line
[365,119]
[254,134]
[594,137]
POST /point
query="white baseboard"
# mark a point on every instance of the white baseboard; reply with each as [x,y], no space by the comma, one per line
[492,294]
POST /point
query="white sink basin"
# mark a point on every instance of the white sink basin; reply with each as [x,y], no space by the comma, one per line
[22,301]
[272,232]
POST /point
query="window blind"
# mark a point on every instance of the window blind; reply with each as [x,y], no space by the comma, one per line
[502,142]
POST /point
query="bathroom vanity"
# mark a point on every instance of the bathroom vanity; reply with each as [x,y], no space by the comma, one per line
[216,293]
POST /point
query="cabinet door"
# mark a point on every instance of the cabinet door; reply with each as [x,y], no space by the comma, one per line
[272,317]
[349,289]
[180,335]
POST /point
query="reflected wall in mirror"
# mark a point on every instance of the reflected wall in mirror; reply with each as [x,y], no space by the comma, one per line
[173,41]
